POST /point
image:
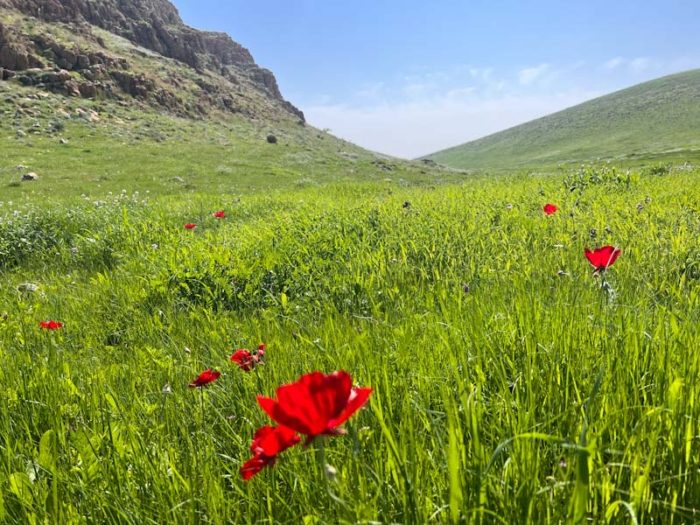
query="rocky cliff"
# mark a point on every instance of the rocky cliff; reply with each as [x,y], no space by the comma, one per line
[151,24]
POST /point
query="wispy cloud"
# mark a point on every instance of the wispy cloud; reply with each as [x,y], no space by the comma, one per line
[634,65]
[370,91]
[416,114]
[614,63]
[412,129]
[529,75]
[640,64]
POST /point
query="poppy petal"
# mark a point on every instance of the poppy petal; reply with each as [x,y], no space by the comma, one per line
[254,465]
[357,400]
[271,441]
[272,409]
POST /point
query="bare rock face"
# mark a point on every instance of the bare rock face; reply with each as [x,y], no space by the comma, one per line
[14,56]
[153,24]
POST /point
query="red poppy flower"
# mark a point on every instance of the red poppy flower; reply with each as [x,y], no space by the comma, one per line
[51,325]
[205,378]
[601,258]
[190,226]
[247,360]
[244,359]
[221,214]
[316,404]
[550,209]
[267,444]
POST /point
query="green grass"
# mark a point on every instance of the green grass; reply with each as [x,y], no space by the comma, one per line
[658,121]
[140,150]
[535,396]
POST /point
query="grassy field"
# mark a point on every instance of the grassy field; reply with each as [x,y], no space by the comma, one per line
[93,147]
[658,121]
[510,384]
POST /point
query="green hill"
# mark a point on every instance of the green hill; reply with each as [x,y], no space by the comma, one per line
[94,101]
[657,120]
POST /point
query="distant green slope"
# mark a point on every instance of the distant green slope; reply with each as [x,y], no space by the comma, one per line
[655,120]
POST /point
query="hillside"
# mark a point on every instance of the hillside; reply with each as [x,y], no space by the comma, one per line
[657,120]
[99,97]
[137,50]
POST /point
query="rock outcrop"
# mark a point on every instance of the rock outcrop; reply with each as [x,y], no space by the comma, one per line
[152,24]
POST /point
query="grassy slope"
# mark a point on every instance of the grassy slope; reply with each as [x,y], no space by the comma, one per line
[141,150]
[657,120]
[348,278]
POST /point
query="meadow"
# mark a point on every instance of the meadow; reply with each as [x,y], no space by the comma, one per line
[656,121]
[510,383]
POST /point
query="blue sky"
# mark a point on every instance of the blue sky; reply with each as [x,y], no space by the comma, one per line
[409,77]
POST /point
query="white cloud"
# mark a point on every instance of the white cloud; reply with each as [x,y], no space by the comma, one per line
[418,90]
[614,63]
[530,74]
[481,73]
[418,114]
[370,91]
[640,64]
[461,93]
[411,129]
[634,65]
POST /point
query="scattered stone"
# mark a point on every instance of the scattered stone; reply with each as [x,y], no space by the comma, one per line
[63,141]
[20,134]
[383,165]
[31,176]
[28,288]
[271,139]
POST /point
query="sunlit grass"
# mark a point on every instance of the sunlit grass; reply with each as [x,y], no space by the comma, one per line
[509,385]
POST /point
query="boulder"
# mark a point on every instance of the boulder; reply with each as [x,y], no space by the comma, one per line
[30,177]
[65,58]
[82,62]
[271,139]
[56,78]
[88,90]
[72,88]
